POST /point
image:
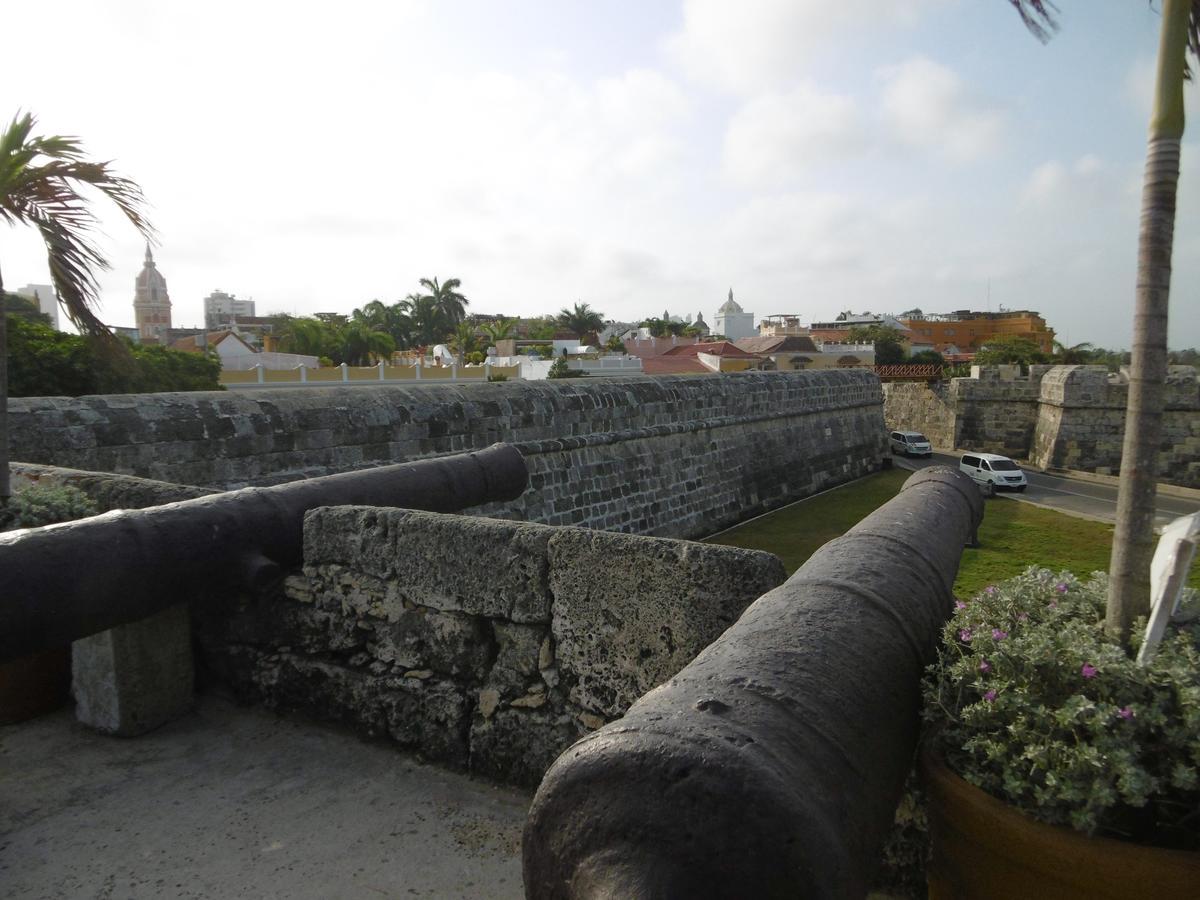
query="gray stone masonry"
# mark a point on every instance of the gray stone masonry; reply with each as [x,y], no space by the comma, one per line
[484,644]
[1057,417]
[133,678]
[675,456]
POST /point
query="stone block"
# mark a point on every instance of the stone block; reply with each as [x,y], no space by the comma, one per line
[630,612]
[446,642]
[462,564]
[518,745]
[133,678]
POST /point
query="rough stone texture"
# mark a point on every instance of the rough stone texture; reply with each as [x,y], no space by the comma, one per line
[1058,417]
[618,637]
[133,678]
[467,639]
[677,456]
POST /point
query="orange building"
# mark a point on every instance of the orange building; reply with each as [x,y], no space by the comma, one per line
[965,332]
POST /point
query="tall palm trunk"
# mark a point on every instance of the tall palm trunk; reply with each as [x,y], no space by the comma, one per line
[1133,541]
[5,484]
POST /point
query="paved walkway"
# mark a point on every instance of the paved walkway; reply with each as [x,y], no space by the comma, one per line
[235,802]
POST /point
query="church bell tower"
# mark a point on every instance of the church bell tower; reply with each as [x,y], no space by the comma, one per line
[151,303]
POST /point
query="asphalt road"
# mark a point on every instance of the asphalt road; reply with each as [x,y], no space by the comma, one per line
[1070,495]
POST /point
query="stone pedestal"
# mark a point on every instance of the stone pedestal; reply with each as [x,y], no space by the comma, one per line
[133,678]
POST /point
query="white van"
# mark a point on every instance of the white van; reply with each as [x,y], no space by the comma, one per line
[910,443]
[999,472]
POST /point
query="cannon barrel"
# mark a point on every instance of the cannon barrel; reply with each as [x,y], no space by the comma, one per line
[771,765]
[64,582]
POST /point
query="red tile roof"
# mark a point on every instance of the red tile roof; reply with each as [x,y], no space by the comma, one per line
[674,365]
[712,348]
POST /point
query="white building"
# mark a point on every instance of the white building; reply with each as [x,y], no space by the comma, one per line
[220,308]
[44,295]
[732,322]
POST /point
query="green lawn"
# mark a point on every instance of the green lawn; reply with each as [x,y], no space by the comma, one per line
[1013,535]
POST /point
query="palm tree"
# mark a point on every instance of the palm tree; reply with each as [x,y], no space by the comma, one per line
[1074,355]
[363,345]
[463,339]
[580,319]
[450,304]
[307,336]
[499,330]
[427,325]
[1133,538]
[40,179]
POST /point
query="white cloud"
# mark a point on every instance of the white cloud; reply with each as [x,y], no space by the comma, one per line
[777,136]
[929,106]
[755,44]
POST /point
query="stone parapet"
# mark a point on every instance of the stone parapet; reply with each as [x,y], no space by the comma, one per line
[487,645]
[674,455]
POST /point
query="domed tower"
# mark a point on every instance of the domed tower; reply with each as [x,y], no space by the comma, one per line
[732,322]
[151,304]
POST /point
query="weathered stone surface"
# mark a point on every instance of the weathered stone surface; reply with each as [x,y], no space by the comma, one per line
[347,643]
[461,564]
[630,612]
[518,745]
[1057,417]
[446,643]
[133,678]
[678,456]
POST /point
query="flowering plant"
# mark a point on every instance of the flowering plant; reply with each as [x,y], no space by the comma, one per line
[1035,703]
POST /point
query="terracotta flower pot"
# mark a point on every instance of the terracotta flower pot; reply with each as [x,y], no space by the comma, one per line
[984,848]
[35,684]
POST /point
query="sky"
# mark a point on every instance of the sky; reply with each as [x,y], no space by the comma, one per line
[635,155]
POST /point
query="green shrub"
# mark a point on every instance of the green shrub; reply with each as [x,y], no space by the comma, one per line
[1036,703]
[499,376]
[39,505]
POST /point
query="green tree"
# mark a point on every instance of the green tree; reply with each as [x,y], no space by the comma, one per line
[450,304]
[463,340]
[363,345]
[580,319]
[1133,537]
[40,180]
[927,358]
[499,330]
[1075,355]
[1010,349]
[44,362]
[888,341]
[427,324]
[308,336]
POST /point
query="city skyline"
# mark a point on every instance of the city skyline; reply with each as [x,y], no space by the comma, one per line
[926,153]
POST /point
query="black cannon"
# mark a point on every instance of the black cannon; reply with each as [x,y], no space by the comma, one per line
[772,764]
[63,582]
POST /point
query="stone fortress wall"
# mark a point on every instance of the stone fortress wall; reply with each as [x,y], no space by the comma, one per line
[1057,417]
[678,456]
[483,644]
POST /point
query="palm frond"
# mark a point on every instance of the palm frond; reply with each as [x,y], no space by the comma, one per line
[1038,16]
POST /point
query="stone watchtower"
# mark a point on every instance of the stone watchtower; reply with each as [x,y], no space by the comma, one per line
[151,304]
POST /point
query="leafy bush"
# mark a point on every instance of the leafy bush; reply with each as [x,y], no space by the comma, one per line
[38,505]
[1038,705]
[476,358]
[498,377]
[560,369]
[47,363]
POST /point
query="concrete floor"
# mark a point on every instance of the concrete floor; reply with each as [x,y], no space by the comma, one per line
[235,802]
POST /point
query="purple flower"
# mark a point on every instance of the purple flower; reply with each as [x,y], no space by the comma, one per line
[1125,712]
[998,635]
[985,666]
[1061,587]
[989,696]
[1088,670]
[958,604]
[964,634]
[990,589]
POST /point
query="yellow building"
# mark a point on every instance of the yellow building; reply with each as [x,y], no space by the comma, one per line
[964,332]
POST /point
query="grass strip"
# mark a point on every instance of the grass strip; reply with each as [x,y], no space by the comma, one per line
[1013,536]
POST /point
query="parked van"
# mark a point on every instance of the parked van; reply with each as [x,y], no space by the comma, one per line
[910,443]
[998,472]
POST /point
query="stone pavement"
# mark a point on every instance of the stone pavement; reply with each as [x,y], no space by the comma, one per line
[237,802]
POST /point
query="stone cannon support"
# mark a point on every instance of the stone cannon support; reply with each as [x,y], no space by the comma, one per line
[772,764]
[64,582]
